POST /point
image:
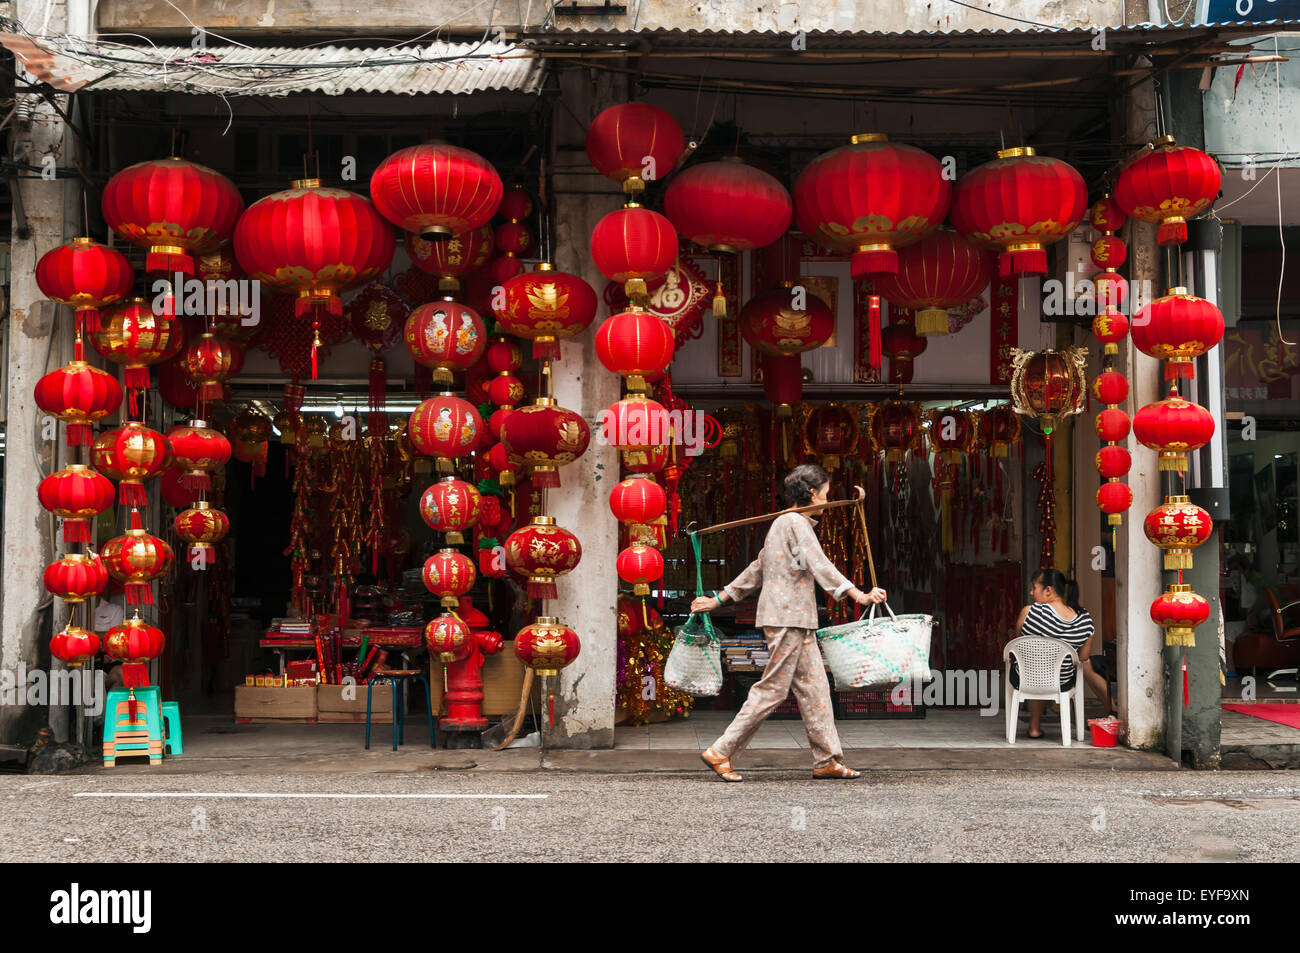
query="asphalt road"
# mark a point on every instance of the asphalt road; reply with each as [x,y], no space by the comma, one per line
[1092,816]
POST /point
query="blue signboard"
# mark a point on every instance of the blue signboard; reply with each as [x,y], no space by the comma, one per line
[1246,11]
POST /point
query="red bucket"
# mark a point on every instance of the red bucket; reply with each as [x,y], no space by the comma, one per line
[1105,732]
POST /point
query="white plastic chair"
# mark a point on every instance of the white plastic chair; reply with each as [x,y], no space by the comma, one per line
[1039,660]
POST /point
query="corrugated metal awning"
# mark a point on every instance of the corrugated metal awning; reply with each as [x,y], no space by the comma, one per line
[454,68]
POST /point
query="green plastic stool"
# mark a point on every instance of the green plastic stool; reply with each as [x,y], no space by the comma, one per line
[171,712]
[148,719]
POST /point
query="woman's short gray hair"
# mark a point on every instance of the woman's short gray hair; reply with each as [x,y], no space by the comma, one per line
[802,481]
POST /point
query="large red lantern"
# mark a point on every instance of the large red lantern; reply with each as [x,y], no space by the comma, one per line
[728,206]
[895,429]
[451,260]
[84,275]
[1178,526]
[135,558]
[638,499]
[546,646]
[199,451]
[633,143]
[76,577]
[640,565]
[77,494]
[449,638]
[445,427]
[871,198]
[1018,204]
[79,395]
[635,422]
[209,361]
[436,190]
[632,245]
[902,345]
[446,336]
[449,574]
[1167,186]
[782,381]
[941,271]
[74,646]
[135,642]
[131,454]
[1176,329]
[173,208]
[450,506]
[545,306]
[546,437]
[1114,499]
[202,526]
[542,552]
[133,336]
[634,344]
[1178,610]
[1173,426]
[771,324]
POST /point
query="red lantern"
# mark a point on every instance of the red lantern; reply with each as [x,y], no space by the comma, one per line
[1018,204]
[638,499]
[1114,499]
[1176,329]
[448,637]
[542,552]
[445,427]
[1178,610]
[941,271]
[134,642]
[1109,252]
[782,381]
[952,434]
[504,356]
[640,565]
[436,190]
[545,306]
[999,428]
[78,494]
[633,344]
[895,429]
[649,459]
[1110,387]
[512,239]
[84,275]
[633,143]
[1113,462]
[771,324]
[76,577]
[1106,216]
[546,437]
[871,198]
[135,337]
[498,458]
[453,259]
[1049,385]
[135,558]
[199,451]
[74,646]
[446,336]
[1178,526]
[506,391]
[131,454]
[202,526]
[635,421]
[1167,186]
[1173,426]
[173,490]
[174,208]
[1110,327]
[449,574]
[831,431]
[728,206]
[499,416]
[79,395]
[902,345]
[209,362]
[632,245]
[545,646]
[450,506]
[1110,290]
[1112,425]
[174,385]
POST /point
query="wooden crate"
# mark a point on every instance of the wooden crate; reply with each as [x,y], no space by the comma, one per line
[297,703]
[333,708]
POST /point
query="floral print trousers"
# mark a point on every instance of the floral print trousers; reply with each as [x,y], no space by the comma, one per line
[796,664]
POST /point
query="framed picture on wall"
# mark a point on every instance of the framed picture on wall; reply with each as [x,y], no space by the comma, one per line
[1266,494]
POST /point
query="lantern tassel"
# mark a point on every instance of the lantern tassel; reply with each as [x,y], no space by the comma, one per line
[541,588]
[873,261]
[76,531]
[1171,232]
[168,262]
[203,555]
[1022,261]
[211,390]
[79,435]
[134,675]
[137,521]
[131,493]
[378,389]
[873,328]
[545,477]
[546,349]
[88,320]
[197,480]
[720,302]
[1187,696]
[139,594]
[137,377]
[133,403]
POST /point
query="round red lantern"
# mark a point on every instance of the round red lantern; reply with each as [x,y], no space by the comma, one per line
[871,198]
[133,336]
[728,206]
[506,391]
[74,646]
[446,336]
[1173,426]
[1167,186]
[1018,204]
[1178,526]
[450,506]
[1113,462]
[895,428]
[448,637]
[451,260]
[77,494]
[209,362]
[546,646]
[952,434]
[1176,329]
[831,431]
[1110,387]
[498,458]
[449,574]
[199,451]
[131,454]
[941,271]
[634,143]
[79,395]
[174,385]
[1109,252]
[1178,610]
[436,190]
[516,204]
[134,642]
[782,381]
[546,437]
[445,427]
[771,324]
[632,245]
[1114,499]
[545,306]
[638,499]
[173,208]
[1110,327]
[202,526]
[1110,290]
[504,356]
[999,428]
[649,459]
[542,552]
[635,421]
[640,565]
[1112,425]
[135,558]
[512,239]
[86,276]
[1105,215]
[902,345]
[633,344]
[174,491]
[76,577]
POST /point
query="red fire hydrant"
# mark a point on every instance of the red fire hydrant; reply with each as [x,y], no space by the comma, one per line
[464,681]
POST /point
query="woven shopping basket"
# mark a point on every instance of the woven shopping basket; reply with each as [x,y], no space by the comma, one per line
[694,665]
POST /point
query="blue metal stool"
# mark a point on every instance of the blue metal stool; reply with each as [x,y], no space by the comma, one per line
[398,679]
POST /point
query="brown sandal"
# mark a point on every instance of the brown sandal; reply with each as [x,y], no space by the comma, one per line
[836,770]
[719,764]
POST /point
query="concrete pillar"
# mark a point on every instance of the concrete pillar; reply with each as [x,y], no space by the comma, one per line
[584,703]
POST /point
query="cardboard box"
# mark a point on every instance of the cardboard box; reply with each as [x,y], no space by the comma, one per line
[275,704]
[503,680]
[332,707]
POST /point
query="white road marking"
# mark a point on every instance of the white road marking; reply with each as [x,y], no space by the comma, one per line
[269,795]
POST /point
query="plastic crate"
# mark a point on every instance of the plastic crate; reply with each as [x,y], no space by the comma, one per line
[863,705]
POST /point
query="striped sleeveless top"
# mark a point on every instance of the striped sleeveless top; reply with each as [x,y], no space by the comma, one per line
[1043,621]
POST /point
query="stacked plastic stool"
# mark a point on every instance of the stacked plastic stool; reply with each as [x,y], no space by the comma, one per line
[129,733]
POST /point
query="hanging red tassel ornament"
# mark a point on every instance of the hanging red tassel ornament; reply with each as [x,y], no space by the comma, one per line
[134,643]
[541,552]
[873,329]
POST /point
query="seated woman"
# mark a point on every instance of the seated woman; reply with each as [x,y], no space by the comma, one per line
[1055,614]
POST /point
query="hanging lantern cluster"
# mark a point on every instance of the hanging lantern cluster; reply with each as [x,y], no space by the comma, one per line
[640,501]
[1113,461]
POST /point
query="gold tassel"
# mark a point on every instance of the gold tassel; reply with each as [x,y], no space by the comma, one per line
[720,302]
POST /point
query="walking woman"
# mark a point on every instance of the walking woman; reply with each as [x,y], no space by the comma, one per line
[790,561]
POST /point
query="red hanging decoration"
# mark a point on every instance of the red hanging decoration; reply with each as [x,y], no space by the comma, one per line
[541,552]
[436,190]
[79,395]
[1167,186]
[940,272]
[86,276]
[546,306]
[727,207]
[633,143]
